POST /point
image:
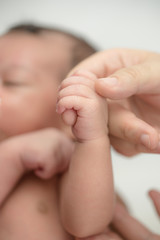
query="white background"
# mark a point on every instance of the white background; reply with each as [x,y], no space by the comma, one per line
[121,23]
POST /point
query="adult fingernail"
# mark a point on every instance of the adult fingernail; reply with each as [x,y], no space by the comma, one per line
[145,140]
[109,81]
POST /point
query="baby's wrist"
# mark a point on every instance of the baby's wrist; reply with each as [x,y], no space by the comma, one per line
[91,134]
[94,147]
[101,138]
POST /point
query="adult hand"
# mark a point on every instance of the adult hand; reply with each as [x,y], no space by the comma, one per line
[129,228]
[131,80]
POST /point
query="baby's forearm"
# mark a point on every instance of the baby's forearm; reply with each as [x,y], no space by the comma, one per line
[87,196]
[46,152]
[11,170]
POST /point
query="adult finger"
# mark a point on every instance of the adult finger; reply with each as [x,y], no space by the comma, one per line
[138,72]
[125,147]
[104,63]
[138,79]
[129,227]
[155,196]
[130,128]
[129,149]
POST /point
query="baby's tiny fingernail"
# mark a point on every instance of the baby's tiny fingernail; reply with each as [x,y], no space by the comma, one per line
[109,81]
[145,140]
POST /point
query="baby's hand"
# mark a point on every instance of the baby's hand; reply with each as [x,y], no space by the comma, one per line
[82,108]
[46,152]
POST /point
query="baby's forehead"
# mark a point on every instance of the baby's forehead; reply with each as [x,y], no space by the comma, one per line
[43,49]
[25,41]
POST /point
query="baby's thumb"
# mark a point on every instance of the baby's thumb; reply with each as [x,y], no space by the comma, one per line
[69,117]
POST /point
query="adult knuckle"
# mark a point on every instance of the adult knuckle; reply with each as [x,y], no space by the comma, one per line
[132,73]
[128,128]
[125,130]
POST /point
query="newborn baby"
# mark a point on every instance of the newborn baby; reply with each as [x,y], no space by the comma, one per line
[33,61]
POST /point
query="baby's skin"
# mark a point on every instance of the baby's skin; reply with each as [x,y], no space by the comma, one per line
[87,194]
[84,192]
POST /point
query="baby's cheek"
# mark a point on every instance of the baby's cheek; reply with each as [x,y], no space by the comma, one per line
[9,118]
[12,120]
[21,116]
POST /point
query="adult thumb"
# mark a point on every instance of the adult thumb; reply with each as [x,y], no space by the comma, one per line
[138,79]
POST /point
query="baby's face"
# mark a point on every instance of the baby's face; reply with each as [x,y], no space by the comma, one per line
[30,72]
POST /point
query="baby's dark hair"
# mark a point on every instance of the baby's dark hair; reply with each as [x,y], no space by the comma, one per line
[81,48]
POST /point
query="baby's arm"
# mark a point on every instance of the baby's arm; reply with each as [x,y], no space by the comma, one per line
[46,152]
[87,194]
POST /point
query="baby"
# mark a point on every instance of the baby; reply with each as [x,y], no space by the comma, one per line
[31,68]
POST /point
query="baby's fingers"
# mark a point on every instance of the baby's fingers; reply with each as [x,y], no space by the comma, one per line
[73,97]
[76,90]
[69,117]
[70,103]
[79,79]
[70,108]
